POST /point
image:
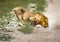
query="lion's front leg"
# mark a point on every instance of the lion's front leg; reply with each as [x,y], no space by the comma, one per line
[20,20]
[20,24]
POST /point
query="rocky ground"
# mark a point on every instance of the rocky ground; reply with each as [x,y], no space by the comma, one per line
[50,34]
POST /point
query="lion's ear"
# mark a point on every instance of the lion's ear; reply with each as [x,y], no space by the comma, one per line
[22,10]
[14,11]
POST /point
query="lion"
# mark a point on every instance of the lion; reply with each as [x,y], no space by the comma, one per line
[33,18]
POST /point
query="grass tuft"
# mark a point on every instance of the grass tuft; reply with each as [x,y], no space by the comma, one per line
[27,28]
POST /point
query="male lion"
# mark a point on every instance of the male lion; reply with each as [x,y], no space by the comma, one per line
[39,19]
[34,18]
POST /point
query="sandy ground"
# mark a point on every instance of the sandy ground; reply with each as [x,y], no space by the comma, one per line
[51,34]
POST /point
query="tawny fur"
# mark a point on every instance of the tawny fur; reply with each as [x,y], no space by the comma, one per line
[37,18]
